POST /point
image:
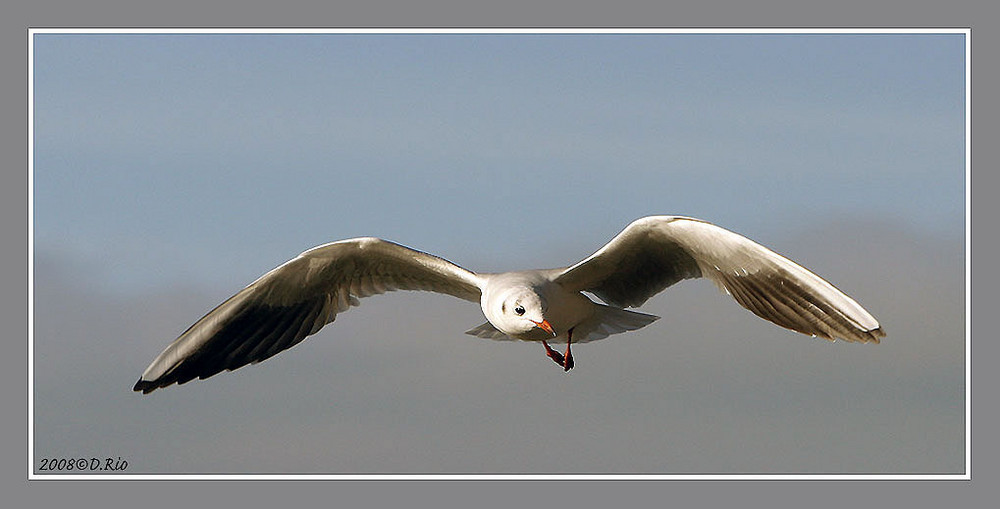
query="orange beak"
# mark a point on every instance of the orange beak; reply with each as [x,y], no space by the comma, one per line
[544,325]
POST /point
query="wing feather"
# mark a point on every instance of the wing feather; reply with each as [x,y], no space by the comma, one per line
[295,300]
[656,252]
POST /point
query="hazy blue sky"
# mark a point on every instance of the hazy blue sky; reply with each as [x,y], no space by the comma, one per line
[171,170]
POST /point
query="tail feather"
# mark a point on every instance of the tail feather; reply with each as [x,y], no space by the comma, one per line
[488,331]
[609,320]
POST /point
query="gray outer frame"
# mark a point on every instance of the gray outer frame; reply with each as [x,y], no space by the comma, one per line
[551,13]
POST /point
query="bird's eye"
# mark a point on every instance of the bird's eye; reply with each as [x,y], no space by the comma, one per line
[519,310]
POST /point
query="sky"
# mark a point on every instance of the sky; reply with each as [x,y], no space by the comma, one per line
[171,170]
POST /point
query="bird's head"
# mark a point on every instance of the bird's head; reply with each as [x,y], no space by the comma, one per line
[521,314]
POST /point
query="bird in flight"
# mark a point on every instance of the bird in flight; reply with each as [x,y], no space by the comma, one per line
[299,297]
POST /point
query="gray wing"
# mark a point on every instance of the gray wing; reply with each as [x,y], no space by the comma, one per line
[295,300]
[655,252]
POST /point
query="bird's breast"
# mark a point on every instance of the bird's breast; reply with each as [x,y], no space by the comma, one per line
[566,310]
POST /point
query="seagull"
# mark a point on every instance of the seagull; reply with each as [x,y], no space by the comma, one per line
[299,297]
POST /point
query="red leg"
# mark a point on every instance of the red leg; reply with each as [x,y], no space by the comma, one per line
[554,355]
[568,358]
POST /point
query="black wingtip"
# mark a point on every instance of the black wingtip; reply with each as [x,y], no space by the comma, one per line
[144,386]
[877,334]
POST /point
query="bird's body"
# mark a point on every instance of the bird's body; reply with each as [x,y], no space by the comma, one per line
[299,297]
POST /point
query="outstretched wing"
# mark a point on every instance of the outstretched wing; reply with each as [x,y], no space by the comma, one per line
[295,300]
[655,252]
